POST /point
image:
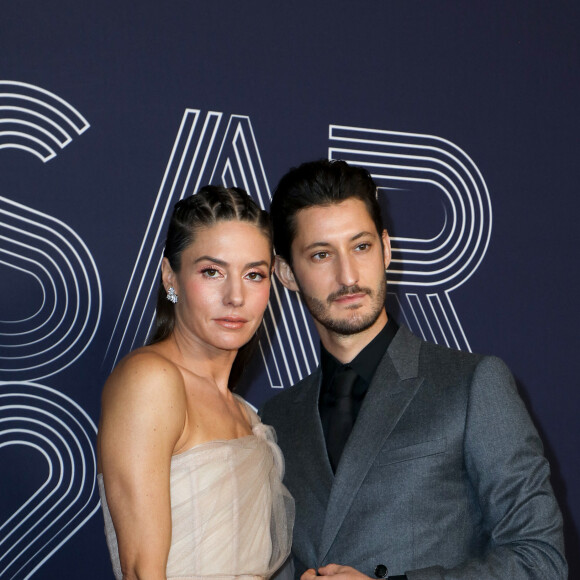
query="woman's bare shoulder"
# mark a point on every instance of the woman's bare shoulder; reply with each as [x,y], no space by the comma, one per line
[145,373]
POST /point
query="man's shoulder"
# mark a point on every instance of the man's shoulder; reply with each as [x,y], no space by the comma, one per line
[443,352]
[406,343]
[288,395]
[447,361]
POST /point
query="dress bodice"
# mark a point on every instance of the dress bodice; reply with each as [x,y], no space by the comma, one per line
[231,515]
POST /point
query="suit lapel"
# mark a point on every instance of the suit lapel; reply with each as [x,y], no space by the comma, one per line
[308,438]
[392,388]
[309,476]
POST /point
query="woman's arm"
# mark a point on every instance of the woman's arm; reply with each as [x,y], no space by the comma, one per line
[143,416]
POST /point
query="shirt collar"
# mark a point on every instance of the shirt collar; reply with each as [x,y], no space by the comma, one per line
[365,363]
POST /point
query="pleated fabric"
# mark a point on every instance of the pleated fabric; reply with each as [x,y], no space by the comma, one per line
[231,515]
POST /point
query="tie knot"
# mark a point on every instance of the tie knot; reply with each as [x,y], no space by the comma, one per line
[343,382]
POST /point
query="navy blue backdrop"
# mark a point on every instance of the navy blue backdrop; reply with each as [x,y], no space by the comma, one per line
[466,114]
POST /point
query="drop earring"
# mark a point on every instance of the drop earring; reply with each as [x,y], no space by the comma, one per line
[171,295]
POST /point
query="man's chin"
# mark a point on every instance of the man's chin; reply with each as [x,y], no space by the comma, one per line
[349,326]
[345,320]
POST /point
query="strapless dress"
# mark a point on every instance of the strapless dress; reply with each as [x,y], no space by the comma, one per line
[231,515]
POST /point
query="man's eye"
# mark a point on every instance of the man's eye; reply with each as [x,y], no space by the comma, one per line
[363,246]
[320,255]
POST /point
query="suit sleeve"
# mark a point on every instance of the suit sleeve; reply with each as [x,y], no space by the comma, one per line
[511,478]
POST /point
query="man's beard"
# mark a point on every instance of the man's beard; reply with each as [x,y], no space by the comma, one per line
[353,324]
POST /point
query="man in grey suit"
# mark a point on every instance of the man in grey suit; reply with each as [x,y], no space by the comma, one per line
[404,457]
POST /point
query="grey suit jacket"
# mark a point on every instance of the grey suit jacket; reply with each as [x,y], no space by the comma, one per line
[443,476]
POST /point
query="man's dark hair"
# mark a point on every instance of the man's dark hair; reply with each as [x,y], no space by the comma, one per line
[318,183]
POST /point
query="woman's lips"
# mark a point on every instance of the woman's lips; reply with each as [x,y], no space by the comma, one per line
[232,322]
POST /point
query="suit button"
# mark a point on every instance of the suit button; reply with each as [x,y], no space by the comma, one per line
[381,571]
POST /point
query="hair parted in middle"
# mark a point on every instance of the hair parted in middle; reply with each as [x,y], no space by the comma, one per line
[210,205]
[318,183]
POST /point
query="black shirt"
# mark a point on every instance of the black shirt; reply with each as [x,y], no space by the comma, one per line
[365,364]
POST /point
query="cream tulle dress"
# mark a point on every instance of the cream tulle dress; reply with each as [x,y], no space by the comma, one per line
[231,515]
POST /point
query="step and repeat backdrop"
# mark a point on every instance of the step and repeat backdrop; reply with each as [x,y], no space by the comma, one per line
[110,112]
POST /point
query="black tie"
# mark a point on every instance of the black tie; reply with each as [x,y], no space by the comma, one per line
[340,416]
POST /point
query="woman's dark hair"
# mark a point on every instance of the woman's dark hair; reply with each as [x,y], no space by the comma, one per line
[210,205]
[318,183]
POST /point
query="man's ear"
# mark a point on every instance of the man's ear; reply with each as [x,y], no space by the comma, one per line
[285,274]
[168,275]
[386,248]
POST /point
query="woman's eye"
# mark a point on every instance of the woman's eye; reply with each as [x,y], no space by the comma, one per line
[210,272]
[320,255]
[255,276]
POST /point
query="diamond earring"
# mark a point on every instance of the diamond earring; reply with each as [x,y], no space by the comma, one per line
[171,295]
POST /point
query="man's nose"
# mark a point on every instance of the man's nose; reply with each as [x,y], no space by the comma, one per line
[347,274]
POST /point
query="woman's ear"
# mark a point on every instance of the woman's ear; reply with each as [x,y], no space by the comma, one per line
[168,275]
[285,274]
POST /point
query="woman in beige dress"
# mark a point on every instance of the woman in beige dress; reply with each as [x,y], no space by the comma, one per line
[190,479]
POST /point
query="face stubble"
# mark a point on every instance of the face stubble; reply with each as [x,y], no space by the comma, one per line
[354,323]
